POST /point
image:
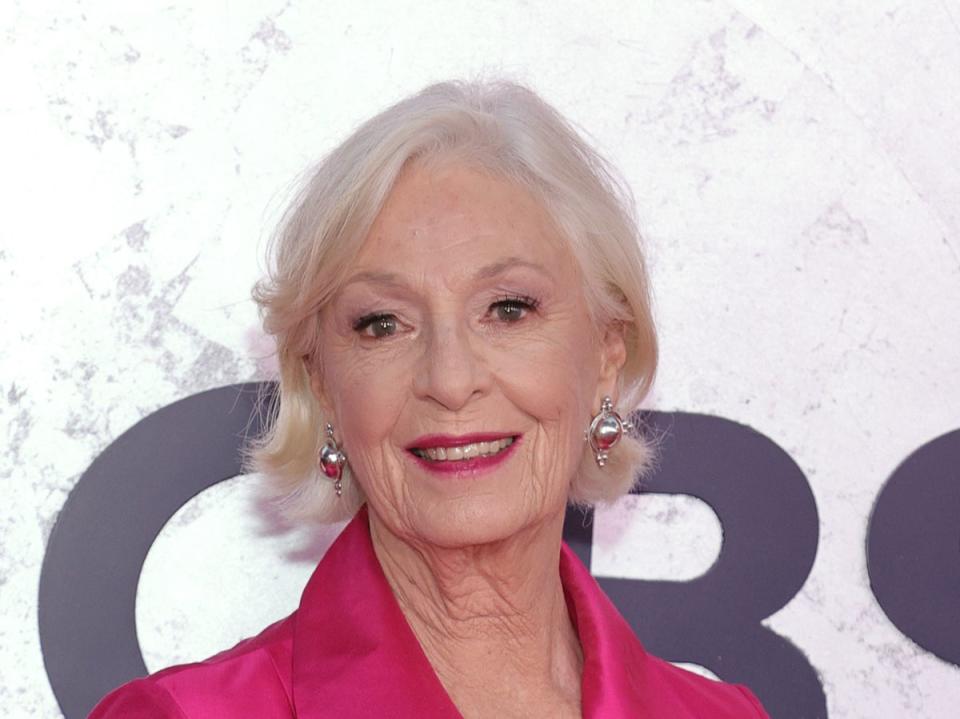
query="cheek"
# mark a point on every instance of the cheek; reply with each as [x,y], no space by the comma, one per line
[554,372]
[553,382]
[368,394]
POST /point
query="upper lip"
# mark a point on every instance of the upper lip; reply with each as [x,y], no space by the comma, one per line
[429,441]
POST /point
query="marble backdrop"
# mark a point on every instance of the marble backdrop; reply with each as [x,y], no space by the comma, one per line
[795,166]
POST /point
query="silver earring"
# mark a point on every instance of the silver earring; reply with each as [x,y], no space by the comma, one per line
[606,429]
[330,460]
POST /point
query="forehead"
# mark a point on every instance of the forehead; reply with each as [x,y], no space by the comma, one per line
[456,216]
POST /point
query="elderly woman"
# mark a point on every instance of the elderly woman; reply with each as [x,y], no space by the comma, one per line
[462,317]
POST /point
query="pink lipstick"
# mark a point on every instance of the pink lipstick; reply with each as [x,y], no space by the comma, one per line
[463,454]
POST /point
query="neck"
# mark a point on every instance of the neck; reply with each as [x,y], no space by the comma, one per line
[492,615]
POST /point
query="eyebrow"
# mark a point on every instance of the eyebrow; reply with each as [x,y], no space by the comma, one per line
[500,266]
[383,278]
[484,273]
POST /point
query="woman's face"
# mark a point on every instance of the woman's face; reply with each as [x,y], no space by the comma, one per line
[459,362]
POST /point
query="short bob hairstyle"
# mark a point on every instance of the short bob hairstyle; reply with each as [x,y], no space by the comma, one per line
[498,127]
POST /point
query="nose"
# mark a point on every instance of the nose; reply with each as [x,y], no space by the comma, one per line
[452,368]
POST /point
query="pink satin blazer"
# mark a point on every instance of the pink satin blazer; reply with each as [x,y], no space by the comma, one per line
[349,652]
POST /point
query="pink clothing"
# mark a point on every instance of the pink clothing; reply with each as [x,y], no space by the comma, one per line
[349,652]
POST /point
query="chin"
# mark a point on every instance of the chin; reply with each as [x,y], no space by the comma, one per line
[474,520]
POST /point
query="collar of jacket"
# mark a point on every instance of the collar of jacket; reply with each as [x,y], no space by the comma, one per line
[354,654]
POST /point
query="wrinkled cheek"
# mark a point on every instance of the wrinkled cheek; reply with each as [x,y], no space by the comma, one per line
[379,473]
[368,403]
[553,388]
[552,455]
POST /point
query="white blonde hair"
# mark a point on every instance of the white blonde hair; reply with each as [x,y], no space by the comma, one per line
[499,127]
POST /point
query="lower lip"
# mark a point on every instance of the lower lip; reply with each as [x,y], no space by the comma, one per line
[472,466]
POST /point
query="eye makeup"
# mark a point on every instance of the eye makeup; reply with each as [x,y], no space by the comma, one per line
[364,321]
[527,301]
[513,308]
[376,326]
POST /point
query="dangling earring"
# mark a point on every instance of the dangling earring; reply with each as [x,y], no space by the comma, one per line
[330,460]
[606,429]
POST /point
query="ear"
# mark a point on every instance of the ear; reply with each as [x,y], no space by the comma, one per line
[613,356]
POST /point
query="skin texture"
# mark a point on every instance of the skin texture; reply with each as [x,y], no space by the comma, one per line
[481,325]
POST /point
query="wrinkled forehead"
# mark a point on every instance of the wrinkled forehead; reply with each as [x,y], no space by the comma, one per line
[456,217]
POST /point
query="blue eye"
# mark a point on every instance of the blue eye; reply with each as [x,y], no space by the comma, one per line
[513,309]
[376,325]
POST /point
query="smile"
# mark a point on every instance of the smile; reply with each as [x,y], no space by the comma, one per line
[465,451]
[463,455]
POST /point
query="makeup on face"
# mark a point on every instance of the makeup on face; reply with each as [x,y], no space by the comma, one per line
[460,358]
[463,454]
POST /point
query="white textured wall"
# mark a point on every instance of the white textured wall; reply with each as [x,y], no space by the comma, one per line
[795,164]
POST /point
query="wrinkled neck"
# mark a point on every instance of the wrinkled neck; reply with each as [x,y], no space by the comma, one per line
[488,615]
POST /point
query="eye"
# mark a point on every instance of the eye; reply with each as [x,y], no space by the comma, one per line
[513,309]
[376,325]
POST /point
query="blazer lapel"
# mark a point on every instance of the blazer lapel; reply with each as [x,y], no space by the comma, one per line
[354,654]
[616,681]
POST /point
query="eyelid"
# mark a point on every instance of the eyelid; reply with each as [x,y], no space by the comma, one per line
[531,302]
[524,303]
[368,319]
[362,327]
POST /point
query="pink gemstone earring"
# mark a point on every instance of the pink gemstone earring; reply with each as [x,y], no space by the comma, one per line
[606,429]
[330,460]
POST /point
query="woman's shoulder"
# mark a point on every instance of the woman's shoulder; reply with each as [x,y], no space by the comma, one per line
[695,695]
[252,678]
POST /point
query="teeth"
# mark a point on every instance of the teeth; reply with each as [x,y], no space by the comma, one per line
[466,451]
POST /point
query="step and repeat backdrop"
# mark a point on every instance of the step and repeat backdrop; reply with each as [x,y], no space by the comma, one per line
[795,168]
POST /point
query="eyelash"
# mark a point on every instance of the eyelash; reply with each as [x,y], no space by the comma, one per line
[366,321]
[524,302]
